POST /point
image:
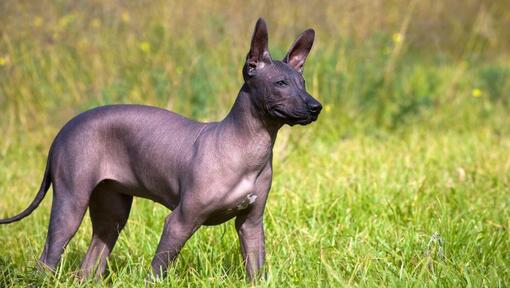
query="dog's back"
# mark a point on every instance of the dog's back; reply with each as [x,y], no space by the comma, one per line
[120,143]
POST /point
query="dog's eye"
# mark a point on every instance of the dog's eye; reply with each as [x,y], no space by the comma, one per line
[281,83]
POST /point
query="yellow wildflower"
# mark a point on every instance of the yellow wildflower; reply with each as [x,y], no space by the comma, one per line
[38,21]
[397,37]
[125,17]
[145,47]
[3,60]
[65,21]
[327,108]
[96,23]
[476,92]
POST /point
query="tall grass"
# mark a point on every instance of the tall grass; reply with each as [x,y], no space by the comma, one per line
[413,139]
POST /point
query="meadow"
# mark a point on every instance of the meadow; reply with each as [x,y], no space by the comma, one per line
[404,181]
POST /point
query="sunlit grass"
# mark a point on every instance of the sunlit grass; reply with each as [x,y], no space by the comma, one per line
[357,211]
[403,181]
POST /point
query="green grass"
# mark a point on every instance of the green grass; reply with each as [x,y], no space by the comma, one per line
[360,211]
[404,181]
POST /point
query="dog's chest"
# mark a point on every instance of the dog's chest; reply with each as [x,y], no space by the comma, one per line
[241,195]
[246,202]
[239,199]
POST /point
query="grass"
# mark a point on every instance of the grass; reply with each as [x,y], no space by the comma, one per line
[403,181]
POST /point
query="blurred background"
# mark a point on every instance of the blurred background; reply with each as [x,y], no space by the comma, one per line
[375,64]
[413,138]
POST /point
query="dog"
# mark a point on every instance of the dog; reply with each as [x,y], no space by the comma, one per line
[206,173]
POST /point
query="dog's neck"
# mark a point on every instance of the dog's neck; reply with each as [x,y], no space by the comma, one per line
[253,129]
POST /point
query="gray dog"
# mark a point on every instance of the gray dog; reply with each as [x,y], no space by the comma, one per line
[206,173]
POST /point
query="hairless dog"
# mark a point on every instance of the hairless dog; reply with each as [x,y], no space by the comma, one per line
[206,173]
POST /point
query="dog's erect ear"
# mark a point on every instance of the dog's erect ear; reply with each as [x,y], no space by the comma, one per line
[259,53]
[299,51]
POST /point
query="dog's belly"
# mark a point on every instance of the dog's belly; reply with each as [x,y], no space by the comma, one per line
[169,200]
[217,216]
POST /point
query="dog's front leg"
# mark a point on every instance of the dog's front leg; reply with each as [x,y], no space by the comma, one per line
[250,227]
[251,236]
[179,227]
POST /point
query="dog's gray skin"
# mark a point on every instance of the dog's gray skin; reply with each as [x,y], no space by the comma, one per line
[206,173]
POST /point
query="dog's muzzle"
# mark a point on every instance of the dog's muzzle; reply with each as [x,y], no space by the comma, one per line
[314,108]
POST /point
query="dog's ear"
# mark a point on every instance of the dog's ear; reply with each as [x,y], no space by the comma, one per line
[299,51]
[259,53]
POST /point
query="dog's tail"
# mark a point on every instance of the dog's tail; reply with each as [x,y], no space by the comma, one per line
[45,185]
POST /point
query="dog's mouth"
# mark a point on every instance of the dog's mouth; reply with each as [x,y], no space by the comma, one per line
[298,117]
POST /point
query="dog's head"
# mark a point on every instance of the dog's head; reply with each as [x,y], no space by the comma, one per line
[278,86]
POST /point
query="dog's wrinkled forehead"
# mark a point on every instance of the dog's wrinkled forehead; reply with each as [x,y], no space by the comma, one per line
[279,70]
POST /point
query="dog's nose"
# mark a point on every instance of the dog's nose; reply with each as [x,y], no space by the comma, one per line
[315,107]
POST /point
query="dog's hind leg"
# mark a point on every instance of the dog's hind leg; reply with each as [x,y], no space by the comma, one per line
[67,210]
[109,212]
